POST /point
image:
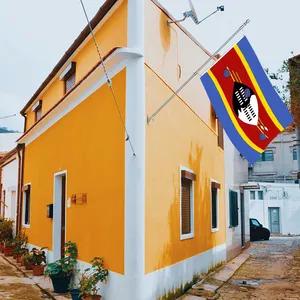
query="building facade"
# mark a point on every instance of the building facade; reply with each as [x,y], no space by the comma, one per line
[9,166]
[237,201]
[155,211]
[279,162]
[277,207]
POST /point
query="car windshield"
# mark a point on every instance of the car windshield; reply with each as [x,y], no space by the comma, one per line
[255,222]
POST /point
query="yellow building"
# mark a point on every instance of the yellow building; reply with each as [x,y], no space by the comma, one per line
[157,217]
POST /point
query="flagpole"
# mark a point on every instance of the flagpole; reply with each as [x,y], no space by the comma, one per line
[151,118]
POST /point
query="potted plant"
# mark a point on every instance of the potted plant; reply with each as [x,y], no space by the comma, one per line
[8,247]
[89,279]
[74,291]
[38,261]
[21,253]
[27,258]
[20,244]
[6,232]
[61,271]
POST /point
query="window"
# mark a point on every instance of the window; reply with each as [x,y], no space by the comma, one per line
[268,155]
[255,223]
[70,82]
[294,154]
[252,195]
[68,76]
[214,206]
[260,195]
[233,209]
[26,205]
[37,109]
[187,204]
[220,135]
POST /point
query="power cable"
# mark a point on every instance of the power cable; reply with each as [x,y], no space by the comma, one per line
[107,78]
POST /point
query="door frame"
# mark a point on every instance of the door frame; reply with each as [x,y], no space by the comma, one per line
[57,213]
[270,218]
[242,206]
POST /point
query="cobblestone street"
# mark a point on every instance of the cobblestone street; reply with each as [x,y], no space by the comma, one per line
[272,272]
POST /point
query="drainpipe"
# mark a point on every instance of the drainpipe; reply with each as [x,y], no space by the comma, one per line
[298,150]
[21,151]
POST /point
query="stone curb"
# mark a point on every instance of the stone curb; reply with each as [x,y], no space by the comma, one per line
[188,296]
[24,273]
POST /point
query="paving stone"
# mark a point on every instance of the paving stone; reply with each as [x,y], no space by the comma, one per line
[189,297]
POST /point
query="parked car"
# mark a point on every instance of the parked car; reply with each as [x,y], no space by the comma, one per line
[257,231]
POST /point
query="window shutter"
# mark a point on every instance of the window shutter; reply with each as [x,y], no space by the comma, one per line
[220,135]
[185,205]
[236,211]
[70,82]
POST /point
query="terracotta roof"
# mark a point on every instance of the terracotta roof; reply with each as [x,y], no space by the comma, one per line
[82,36]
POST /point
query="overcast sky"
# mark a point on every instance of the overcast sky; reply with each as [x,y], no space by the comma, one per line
[35,34]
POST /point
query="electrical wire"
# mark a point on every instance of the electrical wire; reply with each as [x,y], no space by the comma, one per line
[107,78]
[7,117]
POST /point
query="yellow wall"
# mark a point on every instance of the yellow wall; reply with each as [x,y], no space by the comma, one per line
[107,38]
[182,134]
[89,143]
[179,138]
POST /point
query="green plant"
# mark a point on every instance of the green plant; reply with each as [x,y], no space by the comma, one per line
[37,257]
[6,230]
[9,243]
[89,279]
[26,257]
[66,264]
[20,243]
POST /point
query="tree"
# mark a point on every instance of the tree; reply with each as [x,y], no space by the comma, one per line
[288,87]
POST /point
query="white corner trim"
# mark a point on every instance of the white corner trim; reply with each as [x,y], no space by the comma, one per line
[192,212]
[115,63]
[218,207]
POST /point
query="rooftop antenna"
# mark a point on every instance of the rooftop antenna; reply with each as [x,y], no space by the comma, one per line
[193,14]
[5,117]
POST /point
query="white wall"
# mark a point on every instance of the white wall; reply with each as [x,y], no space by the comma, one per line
[9,185]
[236,173]
[284,196]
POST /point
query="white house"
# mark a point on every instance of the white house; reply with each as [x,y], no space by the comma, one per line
[237,201]
[277,207]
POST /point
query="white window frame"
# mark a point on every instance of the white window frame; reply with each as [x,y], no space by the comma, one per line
[192,212]
[218,208]
[23,212]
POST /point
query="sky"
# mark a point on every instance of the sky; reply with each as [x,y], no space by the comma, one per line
[35,34]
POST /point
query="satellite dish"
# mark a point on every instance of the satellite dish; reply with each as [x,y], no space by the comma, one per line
[193,13]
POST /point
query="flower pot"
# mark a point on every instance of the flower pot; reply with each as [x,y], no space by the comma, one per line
[75,294]
[97,297]
[1,246]
[60,282]
[8,251]
[19,259]
[15,255]
[28,266]
[38,270]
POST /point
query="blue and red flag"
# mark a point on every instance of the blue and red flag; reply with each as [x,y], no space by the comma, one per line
[248,107]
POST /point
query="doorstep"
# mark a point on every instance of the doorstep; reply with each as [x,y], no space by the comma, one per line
[41,281]
[209,286]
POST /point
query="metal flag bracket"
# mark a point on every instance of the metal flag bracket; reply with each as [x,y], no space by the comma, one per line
[213,56]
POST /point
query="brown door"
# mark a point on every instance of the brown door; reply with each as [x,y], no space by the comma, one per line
[63,214]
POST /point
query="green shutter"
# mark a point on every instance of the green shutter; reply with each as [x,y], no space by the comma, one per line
[233,209]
